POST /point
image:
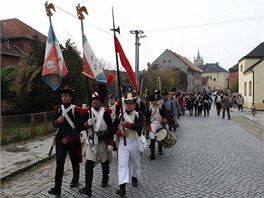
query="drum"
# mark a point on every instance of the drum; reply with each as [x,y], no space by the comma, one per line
[161,134]
[169,141]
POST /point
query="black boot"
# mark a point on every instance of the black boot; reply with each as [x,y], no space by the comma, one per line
[152,149]
[76,173]
[134,182]
[54,191]
[105,170]
[160,148]
[87,190]
[122,190]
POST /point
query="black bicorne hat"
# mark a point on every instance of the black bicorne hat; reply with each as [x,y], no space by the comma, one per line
[67,90]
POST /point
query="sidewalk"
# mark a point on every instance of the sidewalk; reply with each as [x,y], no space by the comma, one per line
[258,119]
[18,157]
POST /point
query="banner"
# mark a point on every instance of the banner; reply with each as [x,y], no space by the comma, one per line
[91,66]
[125,64]
[54,67]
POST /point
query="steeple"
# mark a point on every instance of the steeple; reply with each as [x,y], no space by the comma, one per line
[199,59]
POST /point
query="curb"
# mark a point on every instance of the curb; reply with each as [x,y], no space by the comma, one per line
[253,120]
[25,168]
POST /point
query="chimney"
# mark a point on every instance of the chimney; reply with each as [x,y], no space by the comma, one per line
[217,63]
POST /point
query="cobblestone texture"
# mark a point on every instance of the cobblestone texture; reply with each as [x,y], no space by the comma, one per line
[213,158]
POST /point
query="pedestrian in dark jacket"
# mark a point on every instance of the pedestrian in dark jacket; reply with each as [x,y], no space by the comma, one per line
[225,105]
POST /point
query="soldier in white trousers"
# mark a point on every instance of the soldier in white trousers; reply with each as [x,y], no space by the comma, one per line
[128,127]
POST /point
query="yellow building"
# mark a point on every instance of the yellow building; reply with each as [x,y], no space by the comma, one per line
[251,77]
[217,76]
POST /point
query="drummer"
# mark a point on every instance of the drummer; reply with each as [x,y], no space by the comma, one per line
[155,120]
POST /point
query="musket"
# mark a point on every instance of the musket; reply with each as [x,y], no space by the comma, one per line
[53,142]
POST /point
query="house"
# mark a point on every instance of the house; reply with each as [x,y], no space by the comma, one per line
[233,78]
[16,40]
[169,60]
[251,77]
[218,76]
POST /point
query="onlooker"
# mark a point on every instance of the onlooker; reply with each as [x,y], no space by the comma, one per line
[225,105]
[253,109]
[218,102]
[240,102]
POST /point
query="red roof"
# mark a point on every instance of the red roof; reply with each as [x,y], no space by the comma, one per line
[14,28]
[189,63]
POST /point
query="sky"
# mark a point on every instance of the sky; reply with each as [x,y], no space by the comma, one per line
[222,31]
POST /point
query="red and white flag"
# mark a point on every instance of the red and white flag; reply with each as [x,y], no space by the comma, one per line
[54,67]
[91,66]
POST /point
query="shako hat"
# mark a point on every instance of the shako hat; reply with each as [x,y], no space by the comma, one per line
[99,92]
[130,96]
[154,96]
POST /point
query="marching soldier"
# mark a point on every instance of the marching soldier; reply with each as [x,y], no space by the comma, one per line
[69,121]
[113,105]
[128,127]
[155,119]
[100,139]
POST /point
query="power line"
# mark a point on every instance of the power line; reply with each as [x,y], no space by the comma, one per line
[208,24]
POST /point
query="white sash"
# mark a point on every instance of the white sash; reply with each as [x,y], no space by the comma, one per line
[65,114]
[99,118]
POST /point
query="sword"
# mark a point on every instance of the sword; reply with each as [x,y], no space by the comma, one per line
[53,142]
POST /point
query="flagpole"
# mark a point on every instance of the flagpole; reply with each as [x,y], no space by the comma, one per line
[81,17]
[117,71]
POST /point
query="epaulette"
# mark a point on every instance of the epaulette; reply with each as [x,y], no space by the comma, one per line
[85,110]
[108,110]
[56,107]
[78,109]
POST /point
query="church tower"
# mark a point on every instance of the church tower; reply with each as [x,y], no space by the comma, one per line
[198,60]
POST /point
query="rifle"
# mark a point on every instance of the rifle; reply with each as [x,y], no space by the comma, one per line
[53,142]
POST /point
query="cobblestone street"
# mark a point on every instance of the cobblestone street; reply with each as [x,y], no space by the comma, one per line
[213,157]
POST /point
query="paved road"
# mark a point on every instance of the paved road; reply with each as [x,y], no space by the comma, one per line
[212,158]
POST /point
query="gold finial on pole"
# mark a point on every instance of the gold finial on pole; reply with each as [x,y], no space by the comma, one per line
[48,8]
[80,11]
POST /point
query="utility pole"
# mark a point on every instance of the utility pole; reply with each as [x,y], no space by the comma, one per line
[137,44]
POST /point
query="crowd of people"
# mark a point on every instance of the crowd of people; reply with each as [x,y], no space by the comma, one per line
[94,132]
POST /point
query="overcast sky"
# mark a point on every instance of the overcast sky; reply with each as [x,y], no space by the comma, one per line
[223,31]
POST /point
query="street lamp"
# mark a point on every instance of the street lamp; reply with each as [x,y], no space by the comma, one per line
[138,34]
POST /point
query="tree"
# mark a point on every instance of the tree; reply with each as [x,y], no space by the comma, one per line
[234,87]
[169,78]
[22,86]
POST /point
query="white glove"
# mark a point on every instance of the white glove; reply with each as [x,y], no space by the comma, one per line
[91,121]
[109,148]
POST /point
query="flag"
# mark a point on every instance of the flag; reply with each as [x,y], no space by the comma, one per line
[91,66]
[125,64]
[54,67]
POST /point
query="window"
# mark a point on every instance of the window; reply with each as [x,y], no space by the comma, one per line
[214,79]
[250,88]
[164,61]
[245,89]
[241,68]
[169,61]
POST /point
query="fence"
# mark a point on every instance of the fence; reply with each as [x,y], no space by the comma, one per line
[24,127]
